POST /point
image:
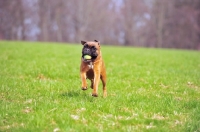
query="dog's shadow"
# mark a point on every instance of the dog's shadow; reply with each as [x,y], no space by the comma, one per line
[71,94]
[78,94]
[74,94]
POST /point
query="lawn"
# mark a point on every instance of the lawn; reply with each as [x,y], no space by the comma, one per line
[148,90]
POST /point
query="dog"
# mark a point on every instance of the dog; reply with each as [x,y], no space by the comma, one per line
[92,67]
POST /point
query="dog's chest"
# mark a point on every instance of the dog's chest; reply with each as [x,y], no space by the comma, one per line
[90,74]
[90,65]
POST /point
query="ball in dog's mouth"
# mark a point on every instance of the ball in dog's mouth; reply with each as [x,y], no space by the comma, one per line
[87,57]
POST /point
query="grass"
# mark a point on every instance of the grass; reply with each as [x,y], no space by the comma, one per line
[148,89]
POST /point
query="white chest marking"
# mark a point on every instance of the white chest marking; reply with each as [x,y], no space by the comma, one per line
[90,65]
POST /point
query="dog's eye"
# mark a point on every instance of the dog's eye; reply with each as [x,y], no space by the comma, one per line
[86,45]
[93,47]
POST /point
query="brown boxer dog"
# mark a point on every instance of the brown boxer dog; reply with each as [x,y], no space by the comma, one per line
[92,67]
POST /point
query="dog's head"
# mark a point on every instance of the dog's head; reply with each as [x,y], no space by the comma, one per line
[90,49]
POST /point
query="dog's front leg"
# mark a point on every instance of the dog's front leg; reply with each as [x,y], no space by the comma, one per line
[83,80]
[96,83]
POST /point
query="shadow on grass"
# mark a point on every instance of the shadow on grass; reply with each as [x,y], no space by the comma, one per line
[78,94]
[75,93]
[71,94]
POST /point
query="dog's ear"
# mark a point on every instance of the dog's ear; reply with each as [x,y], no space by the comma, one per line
[83,42]
[97,41]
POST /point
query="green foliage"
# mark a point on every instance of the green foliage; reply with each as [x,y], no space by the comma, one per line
[148,89]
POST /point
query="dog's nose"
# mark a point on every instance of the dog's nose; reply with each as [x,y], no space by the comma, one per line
[87,50]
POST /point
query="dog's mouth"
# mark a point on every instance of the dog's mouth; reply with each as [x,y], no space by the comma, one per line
[88,58]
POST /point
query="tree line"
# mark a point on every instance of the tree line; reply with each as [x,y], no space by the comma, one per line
[143,23]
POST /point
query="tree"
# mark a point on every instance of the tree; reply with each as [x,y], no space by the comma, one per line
[149,23]
[12,16]
[133,20]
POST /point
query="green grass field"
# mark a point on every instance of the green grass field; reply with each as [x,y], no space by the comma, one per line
[154,90]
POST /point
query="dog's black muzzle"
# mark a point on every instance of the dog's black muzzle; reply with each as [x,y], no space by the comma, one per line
[91,52]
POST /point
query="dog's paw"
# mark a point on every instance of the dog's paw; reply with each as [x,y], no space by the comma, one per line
[91,86]
[95,95]
[105,94]
[84,88]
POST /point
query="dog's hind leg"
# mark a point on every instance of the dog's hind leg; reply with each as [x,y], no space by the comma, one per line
[92,83]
